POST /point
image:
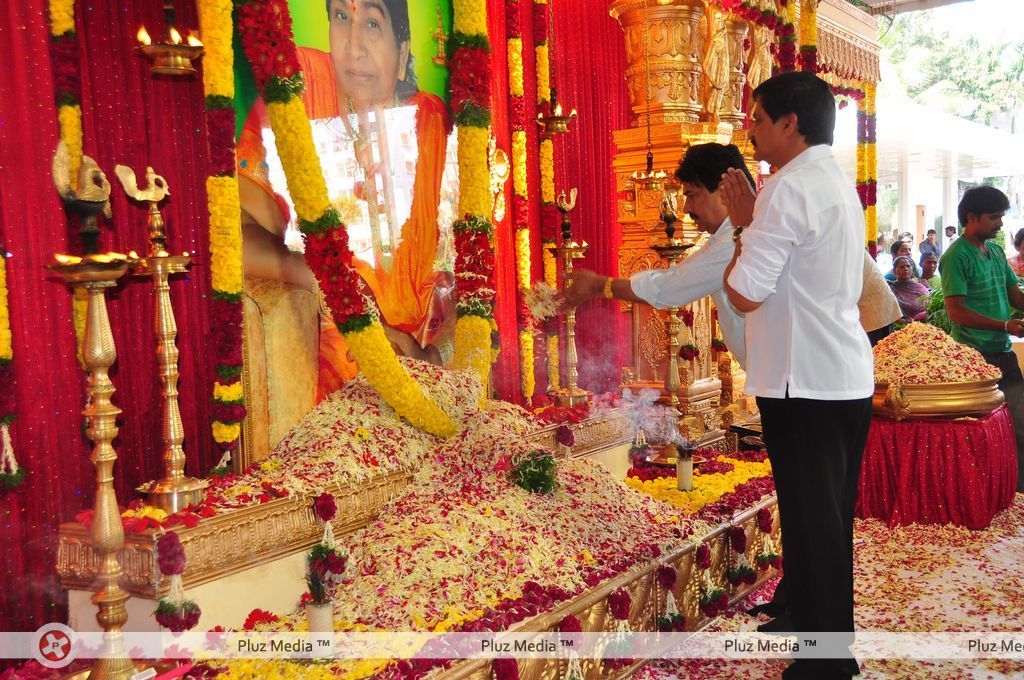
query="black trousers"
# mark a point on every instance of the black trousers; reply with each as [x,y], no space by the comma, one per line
[816,448]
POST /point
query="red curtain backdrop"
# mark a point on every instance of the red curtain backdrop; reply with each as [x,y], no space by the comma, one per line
[505,374]
[588,61]
[131,118]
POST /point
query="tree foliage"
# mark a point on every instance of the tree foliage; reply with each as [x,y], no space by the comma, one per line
[983,83]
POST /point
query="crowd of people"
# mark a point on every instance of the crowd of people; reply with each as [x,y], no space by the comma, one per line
[801,303]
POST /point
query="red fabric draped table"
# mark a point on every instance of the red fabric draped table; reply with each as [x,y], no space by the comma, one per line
[939,471]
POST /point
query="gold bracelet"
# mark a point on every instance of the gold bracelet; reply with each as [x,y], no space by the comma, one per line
[607,292]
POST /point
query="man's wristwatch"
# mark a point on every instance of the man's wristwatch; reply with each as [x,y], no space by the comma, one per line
[737,232]
[607,292]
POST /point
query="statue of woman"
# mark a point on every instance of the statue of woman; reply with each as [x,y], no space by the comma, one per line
[760,68]
[716,66]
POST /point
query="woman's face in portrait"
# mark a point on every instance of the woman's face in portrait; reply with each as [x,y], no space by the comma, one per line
[368,59]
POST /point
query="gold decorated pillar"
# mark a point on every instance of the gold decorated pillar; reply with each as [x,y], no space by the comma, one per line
[663,53]
[675,53]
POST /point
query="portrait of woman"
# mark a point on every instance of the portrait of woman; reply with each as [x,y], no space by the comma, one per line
[383,143]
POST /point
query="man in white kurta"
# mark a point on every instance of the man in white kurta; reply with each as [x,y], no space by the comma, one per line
[797,273]
[699,274]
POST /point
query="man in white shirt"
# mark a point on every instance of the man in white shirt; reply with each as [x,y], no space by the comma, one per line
[699,274]
[797,274]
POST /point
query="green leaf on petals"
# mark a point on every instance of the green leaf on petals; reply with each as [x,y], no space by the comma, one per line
[458,40]
[219,101]
[475,308]
[472,115]
[536,472]
[282,90]
[228,297]
[329,220]
[12,480]
[355,324]
[228,372]
[472,223]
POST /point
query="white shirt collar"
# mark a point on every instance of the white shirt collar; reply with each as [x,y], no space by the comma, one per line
[809,155]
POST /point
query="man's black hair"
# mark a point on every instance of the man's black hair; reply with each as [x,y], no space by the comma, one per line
[930,232]
[979,201]
[400,26]
[704,164]
[951,227]
[807,96]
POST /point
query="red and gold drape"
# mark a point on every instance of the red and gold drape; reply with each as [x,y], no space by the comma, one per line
[131,118]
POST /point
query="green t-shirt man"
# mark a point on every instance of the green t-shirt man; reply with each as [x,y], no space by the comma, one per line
[982,279]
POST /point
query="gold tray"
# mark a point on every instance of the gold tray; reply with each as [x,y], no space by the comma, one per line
[939,400]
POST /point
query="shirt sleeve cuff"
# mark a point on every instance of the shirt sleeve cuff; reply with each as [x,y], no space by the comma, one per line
[644,286]
[741,281]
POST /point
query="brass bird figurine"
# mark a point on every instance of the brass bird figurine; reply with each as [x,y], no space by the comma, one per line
[90,199]
[156,186]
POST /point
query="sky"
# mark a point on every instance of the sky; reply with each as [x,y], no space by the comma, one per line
[990,21]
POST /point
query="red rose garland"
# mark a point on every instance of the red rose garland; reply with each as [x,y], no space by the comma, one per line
[174,612]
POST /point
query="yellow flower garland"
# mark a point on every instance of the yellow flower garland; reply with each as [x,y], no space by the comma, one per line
[519,162]
[474,176]
[470,17]
[809,23]
[301,165]
[527,381]
[70,118]
[554,378]
[62,16]
[226,432]
[472,348]
[6,349]
[225,234]
[216,28]
[706,488]
[547,171]
[543,75]
[515,66]
[377,361]
[232,392]
[523,258]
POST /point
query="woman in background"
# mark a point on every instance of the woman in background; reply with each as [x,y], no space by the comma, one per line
[908,290]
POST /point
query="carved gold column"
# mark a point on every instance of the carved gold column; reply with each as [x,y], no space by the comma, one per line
[673,38]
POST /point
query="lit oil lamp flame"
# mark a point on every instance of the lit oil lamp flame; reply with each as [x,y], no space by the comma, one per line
[143,36]
[194,40]
[66,259]
[175,36]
